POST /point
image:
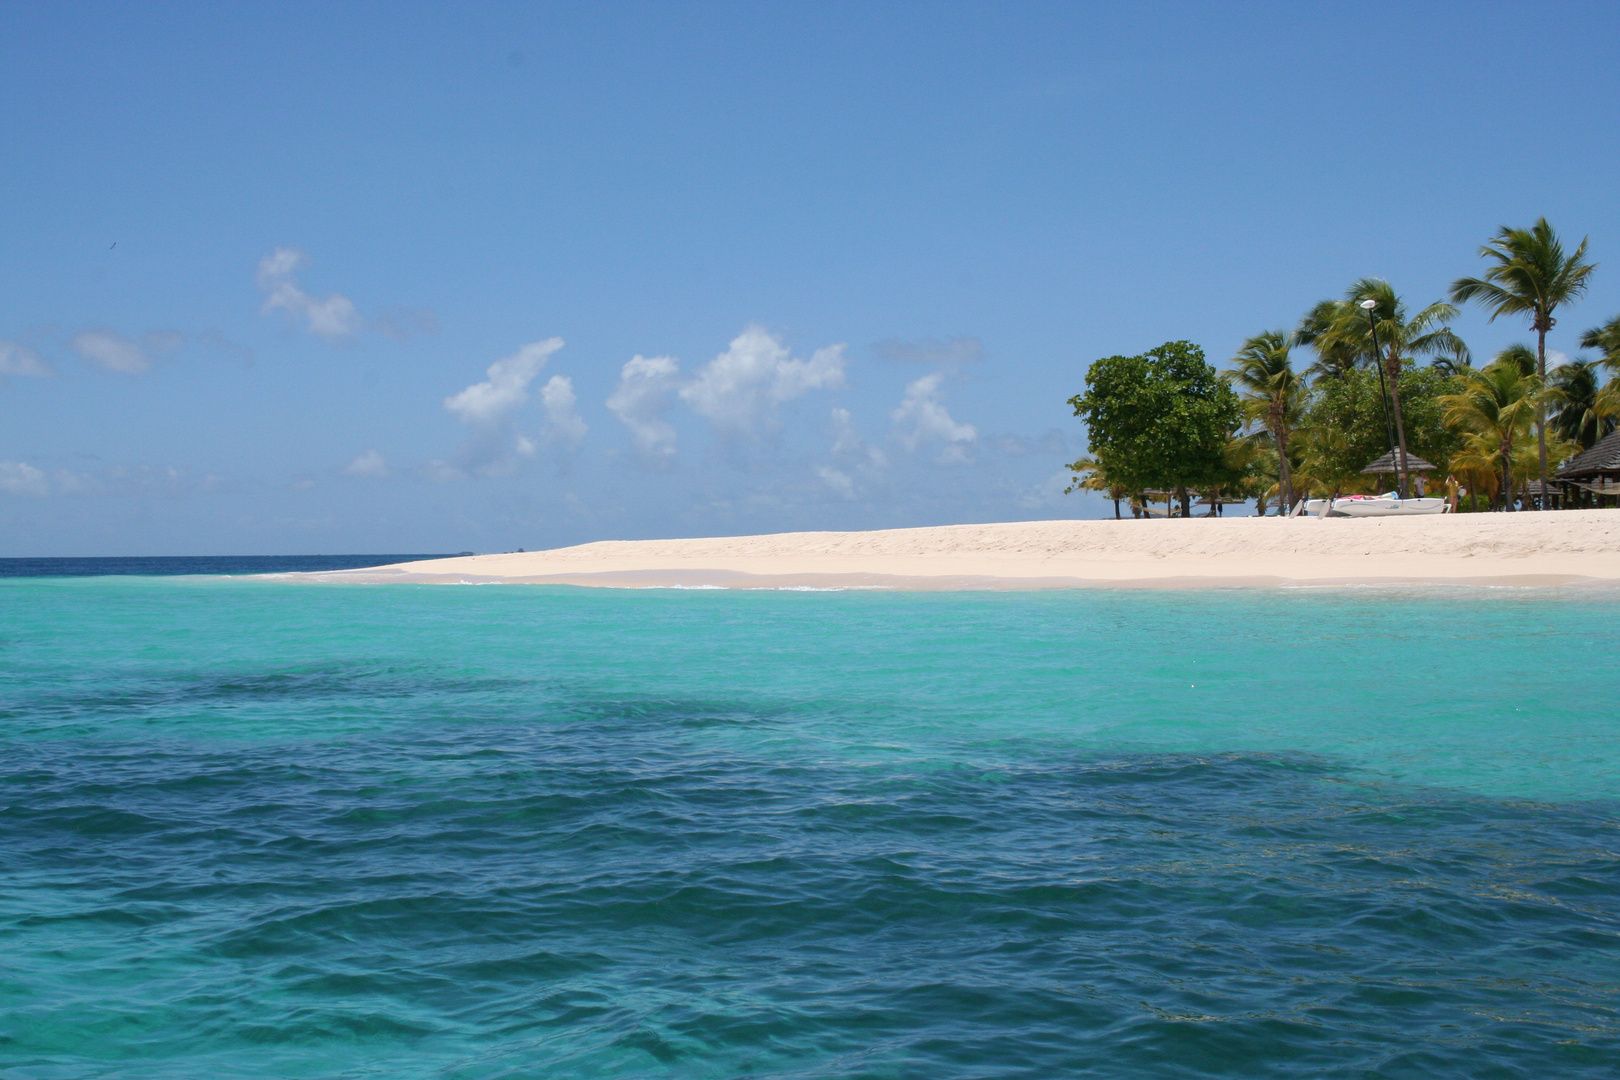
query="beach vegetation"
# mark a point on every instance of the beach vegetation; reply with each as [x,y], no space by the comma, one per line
[1606,339]
[1092,475]
[1271,395]
[1384,380]
[1497,404]
[1580,415]
[1529,274]
[1387,337]
[1160,420]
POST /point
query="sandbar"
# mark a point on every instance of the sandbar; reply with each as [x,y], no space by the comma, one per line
[1519,549]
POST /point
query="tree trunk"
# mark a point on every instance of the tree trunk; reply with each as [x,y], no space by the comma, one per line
[1394,368]
[1186,503]
[1284,475]
[1116,507]
[1507,479]
[1541,408]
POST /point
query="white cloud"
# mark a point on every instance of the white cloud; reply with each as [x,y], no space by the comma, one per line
[1556,358]
[18,359]
[563,424]
[643,396]
[921,418]
[111,350]
[20,478]
[507,387]
[740,389]
[368,464]
[333,317]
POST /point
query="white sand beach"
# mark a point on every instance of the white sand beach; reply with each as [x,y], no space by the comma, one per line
[1508,549]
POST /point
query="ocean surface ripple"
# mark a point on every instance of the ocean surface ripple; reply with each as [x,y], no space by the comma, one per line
[256,829]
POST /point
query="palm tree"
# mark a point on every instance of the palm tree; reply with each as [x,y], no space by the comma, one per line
[1581,416]
[1334,355]
[1478,463]
[1520,356]
[1323,464]
[1347,329]
[1531,276]
[1606,339]
[1091,475]
[1272,395]
[1497,403]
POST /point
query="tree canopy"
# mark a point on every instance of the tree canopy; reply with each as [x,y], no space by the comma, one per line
[1346,422]
[1159,420]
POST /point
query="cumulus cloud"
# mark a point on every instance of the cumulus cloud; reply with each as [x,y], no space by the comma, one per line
[740,389]
[563,424]
[21,478]
[951,352]
[921,418]
[507,387]
[333,316]
[18,359]
[644,394]
[368,464]
[497,447]
[111,350]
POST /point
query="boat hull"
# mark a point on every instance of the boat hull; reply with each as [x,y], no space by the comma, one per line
[1388,507]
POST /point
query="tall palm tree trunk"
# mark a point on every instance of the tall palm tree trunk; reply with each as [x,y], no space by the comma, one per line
[1507,473]
[1279,434]
[1394,368]
[1541,409]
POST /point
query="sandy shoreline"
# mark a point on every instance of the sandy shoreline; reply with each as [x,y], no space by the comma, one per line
[1466,549]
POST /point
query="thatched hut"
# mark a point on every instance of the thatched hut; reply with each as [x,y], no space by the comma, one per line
[1415,466]
[1595,472]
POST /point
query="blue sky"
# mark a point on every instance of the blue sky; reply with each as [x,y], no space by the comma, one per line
[259,260]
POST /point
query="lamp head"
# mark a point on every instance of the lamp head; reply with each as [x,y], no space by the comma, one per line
[1368,305]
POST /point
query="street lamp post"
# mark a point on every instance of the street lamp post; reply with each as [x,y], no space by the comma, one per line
[1383,393]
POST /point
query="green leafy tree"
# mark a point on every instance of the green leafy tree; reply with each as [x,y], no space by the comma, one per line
[1159,420]
[1091,475]
[1530,275]
[1580,415]
[1498,403]
[1335,354]
[1272,395]
[1343,427]
[1345,328]
[1522,357]
[1606,339]
[1251,469]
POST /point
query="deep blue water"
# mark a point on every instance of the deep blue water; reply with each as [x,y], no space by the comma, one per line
[174,565]
[264,829]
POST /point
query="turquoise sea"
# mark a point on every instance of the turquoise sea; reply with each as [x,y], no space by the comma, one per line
[257,828]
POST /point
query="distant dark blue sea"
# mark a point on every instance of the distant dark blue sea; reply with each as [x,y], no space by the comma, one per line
[263,828]
[174,565]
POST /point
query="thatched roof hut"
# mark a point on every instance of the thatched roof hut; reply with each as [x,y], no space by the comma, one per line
[1598,469]
[1602,462]
[1386,464]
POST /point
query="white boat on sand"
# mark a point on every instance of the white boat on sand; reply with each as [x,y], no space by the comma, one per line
[1386,505]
